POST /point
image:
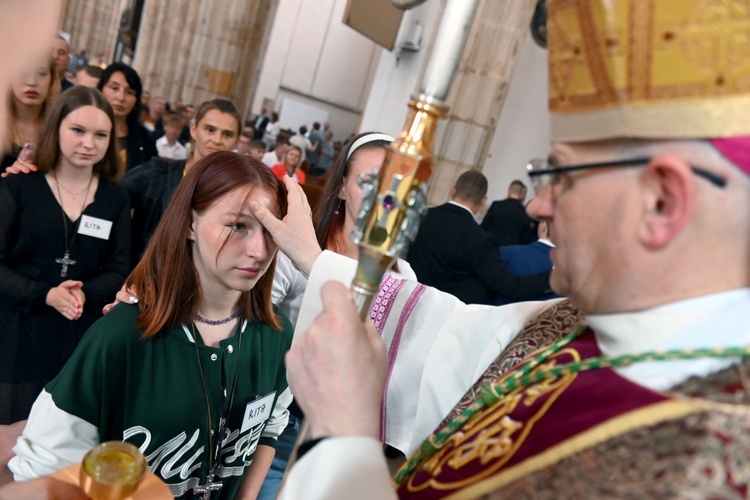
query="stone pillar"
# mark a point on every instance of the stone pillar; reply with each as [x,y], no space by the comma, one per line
[478,92]
[93,25]
[198,50]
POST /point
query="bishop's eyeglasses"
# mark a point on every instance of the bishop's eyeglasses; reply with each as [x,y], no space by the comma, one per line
[541,172]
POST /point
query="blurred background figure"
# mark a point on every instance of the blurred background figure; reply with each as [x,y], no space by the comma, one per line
[61,55]
[276,155]
[326,151]
[260,123]
[290,165]
[316,137]
[302,142]
[507,220]
[88,75]
[525,260]
[453,254]
[271,132]
[31,94]
[169,145]
[243,145]
[156,110]
[121,86]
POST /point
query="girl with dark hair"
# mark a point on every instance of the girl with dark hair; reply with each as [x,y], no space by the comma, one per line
[121,86]
[216,127]
[195,376]
[334,221]
[29,99]
[342,196]
[64,246]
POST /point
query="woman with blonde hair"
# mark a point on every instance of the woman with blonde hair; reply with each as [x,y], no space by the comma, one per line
[290,165]
[30,97]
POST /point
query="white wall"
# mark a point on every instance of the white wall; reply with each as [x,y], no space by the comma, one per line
[523,130]
[398,75]
[313,58]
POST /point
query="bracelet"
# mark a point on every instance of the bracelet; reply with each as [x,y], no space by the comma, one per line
[308,445]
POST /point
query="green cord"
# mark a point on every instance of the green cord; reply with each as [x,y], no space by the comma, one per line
[521,378]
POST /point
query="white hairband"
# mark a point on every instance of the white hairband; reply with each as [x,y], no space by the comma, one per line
[368,138]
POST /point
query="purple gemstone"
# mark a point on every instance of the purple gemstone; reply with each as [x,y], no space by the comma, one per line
[388,202]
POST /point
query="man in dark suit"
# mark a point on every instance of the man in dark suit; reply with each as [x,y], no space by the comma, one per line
[259,123]
[507,220]
[525,260]
[453,254]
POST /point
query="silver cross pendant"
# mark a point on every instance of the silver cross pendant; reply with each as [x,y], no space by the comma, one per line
[65,261]
[205,490]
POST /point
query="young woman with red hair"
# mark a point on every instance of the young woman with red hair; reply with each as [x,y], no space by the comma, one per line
[194,376]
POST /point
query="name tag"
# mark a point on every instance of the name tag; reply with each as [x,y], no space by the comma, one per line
[258,411]
[98,228]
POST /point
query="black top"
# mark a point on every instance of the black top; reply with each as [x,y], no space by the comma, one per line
[9,158]
[259,126]
[138,147]
[150,187]
[37,340]
[453,254]
[508,222]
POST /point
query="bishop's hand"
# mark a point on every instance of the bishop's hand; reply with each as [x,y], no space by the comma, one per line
[294,234]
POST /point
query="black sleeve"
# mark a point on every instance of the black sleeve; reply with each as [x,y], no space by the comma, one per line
[141,147]
[136,182]
[496,276]
[487,221]
[15,288]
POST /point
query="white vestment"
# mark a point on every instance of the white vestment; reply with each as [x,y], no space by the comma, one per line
[453,343]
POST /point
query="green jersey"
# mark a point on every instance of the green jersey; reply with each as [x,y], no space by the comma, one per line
[157,394]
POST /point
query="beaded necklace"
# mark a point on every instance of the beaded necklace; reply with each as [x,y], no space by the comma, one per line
[521,378]
[216,322]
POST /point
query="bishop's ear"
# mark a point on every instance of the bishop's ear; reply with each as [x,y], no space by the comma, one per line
[669,195]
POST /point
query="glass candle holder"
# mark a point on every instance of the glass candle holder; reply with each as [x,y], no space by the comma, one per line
[112,471]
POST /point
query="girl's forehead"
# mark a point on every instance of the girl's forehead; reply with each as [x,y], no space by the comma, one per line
[239,199]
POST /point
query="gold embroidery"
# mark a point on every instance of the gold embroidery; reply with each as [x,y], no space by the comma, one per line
[550,326]
[615,67]
[493,436]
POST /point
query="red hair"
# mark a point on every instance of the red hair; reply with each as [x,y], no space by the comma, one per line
[166,278]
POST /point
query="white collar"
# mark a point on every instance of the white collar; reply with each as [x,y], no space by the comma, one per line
[546,242]
[716,320]
[462,206]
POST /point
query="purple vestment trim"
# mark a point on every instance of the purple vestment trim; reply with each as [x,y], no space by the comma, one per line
[411,303]
[383,302]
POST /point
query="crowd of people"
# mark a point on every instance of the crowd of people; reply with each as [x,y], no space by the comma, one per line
[97,183]
[111,183]
[633,386]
